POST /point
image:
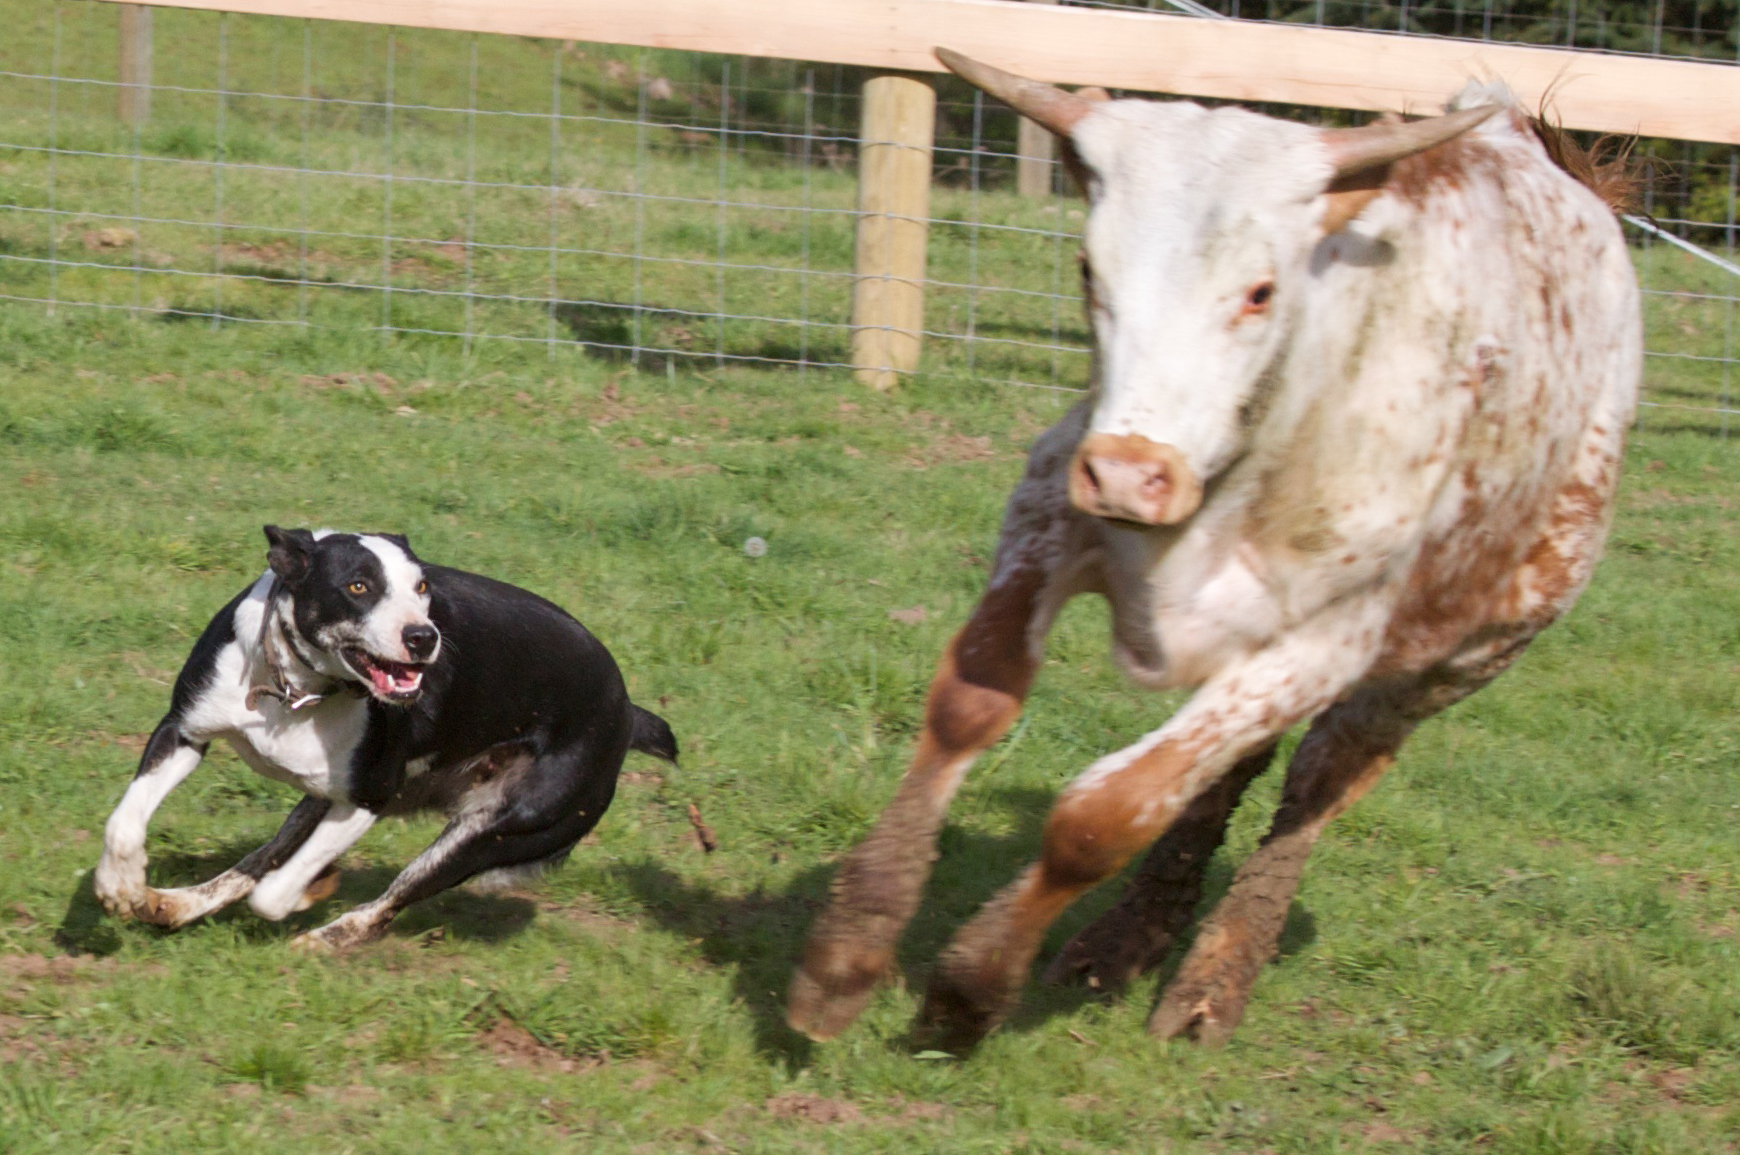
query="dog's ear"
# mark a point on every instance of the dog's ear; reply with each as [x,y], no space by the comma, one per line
[289,552]
[401,541]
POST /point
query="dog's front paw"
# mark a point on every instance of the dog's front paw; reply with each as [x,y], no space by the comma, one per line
[120,884]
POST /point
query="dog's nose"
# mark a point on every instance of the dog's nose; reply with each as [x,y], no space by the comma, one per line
[420,640]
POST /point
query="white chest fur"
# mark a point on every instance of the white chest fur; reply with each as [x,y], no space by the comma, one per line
[310,748]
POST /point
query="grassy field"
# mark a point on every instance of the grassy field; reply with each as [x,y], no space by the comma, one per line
[1524,941]
[417,179]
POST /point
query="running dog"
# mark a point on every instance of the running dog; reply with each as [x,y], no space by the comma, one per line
[378,684]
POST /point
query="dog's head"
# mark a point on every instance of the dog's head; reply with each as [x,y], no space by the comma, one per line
[361,602]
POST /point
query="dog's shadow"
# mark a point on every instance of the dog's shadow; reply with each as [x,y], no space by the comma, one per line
[459,913]
[761,934]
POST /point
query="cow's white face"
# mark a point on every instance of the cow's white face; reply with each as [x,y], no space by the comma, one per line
[1199,237]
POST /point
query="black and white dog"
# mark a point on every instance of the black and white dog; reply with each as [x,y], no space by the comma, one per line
[377,684]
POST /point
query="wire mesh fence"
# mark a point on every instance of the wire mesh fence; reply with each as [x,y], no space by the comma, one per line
[655,208]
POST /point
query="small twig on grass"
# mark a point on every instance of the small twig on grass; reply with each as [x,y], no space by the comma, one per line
[704,835]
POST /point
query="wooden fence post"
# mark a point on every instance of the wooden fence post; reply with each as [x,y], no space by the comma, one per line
[135,90]
[894,157]
[1035,149]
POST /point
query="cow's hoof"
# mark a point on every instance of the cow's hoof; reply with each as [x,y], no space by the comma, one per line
[956,1016]
[832,987]
[1109,954]
[1205,1016]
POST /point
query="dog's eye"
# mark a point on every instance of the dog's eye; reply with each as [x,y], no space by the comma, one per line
[358,588]
[422,587]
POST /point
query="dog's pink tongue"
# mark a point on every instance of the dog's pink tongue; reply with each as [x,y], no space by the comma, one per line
[382,679]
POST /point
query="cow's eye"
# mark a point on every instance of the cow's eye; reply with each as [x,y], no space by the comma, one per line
[1257,298]
[358,588]
[422,587]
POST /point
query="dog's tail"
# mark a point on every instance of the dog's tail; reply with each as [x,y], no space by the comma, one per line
[652,735]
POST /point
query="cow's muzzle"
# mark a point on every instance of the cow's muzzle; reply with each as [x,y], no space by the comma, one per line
[1127,477]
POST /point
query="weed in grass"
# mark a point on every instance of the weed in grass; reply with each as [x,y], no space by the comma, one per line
[273,1066]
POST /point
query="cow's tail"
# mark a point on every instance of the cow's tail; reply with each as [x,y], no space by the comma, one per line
[652,735]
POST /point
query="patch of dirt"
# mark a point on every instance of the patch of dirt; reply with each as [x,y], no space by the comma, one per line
[514,1046]
[912,617]
[351,1095]
[910,1111]
[1378,1131]
[110,238]
[813,1109]
[1673,1084]
[54,968]
[659,467]
[277,253]
[382,384]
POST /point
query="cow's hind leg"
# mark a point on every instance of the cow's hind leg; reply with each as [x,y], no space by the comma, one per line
[1342,756]
[1135,936]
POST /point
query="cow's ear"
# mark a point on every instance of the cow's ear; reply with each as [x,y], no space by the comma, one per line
[289,552]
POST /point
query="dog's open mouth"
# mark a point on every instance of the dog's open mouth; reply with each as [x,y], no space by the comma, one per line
[391,681]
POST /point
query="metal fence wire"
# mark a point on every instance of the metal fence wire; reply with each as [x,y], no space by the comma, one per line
[650,207]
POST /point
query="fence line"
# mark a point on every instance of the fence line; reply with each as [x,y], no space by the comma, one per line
[647,206]
[1112,47]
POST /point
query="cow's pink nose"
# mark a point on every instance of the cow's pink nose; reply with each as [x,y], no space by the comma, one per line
[1127,477]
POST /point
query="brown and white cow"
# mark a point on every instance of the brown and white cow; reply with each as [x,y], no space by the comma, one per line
[1353,438]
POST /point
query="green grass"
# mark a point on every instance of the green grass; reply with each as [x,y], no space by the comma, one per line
[264,207]
[1524,940]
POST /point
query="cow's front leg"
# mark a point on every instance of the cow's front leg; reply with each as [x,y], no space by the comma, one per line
[1046,553]
[976,695]
[169,757]
[1125,800]
[1135,936]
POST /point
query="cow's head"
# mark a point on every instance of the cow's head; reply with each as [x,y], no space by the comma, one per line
[1197,249]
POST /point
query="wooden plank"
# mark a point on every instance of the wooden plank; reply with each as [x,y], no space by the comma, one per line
[894,161]
[1140,51]
[1035,150]
[134,99]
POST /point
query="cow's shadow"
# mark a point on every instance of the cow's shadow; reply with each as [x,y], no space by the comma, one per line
[761,934]
[460,913]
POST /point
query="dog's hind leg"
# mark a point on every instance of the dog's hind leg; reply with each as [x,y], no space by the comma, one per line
[170,756]
[464,850]
[489,836]
[178,907]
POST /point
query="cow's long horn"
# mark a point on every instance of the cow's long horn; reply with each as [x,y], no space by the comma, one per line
[1039,102]
[1357,150]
